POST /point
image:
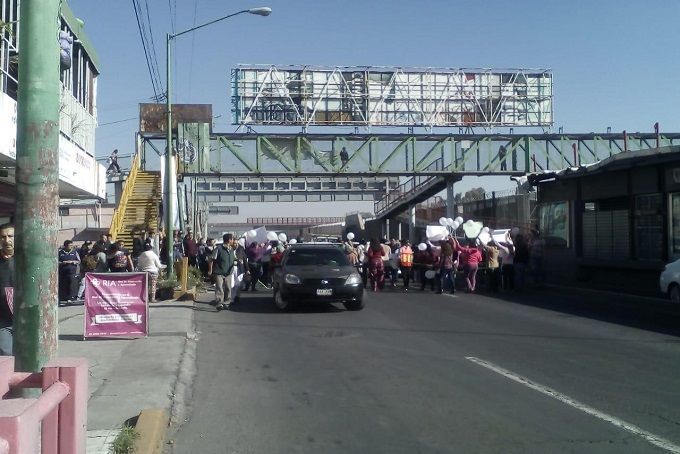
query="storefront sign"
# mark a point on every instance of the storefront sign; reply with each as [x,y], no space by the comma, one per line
[116,305]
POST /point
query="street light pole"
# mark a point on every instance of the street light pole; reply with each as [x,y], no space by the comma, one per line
[170,164]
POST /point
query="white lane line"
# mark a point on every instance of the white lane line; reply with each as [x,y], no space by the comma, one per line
[635,430]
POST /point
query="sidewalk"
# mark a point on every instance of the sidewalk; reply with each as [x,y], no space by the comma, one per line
[129,375]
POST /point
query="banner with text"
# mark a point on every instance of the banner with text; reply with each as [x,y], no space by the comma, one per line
[116,305]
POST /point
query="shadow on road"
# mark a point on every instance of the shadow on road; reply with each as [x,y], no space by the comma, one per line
[632,311]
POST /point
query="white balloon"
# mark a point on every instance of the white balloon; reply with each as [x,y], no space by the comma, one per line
[459,220]
[271,236]
[469,222]
[455,225]
[430,274]
[350,236]
[422,246]
[282,237]
[293,241]
[442,221]
[515,231]
[449,221]
[252,233]
[242,242]
[485,229]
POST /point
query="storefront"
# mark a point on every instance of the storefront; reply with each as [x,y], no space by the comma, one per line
[615,223]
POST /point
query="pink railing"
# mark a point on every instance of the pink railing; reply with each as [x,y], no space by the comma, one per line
[53,423]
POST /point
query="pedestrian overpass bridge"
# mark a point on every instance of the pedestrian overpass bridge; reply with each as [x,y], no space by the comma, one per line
[423,164]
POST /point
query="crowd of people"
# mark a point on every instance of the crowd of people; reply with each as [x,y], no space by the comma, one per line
[438,264]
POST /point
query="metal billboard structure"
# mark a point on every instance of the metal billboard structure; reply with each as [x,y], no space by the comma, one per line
[379,96]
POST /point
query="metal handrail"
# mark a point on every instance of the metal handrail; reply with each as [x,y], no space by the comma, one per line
[119,212]
[410,186]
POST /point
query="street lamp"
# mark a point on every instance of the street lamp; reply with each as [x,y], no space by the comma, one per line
[170,169]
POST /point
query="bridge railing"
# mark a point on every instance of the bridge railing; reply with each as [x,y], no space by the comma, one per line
[293,220]
[412,185]
[53,423]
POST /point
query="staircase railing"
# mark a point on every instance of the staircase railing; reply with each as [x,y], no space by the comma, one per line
[119,212]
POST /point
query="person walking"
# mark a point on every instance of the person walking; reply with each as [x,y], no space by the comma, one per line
[507,254]
[118,260]
[221,267]
[113,163]
[68,268]
[405,262]
[6,289]
[254,252]
[492,265]
[376,264]
[150,264]
[448,260]
[470,257]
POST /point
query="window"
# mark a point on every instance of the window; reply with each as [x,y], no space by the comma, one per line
[605,227]
[317,257]
[674,240]
[649,226]
[554,224]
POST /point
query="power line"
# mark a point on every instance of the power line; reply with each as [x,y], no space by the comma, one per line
[146,53]
[117,121]
[153,44]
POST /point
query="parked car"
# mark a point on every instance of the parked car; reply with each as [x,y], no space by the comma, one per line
[669,281]
[317,273]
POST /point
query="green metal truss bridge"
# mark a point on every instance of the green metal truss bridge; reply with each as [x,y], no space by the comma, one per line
[429,161]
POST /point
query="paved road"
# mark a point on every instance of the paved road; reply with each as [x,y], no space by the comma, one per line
[425,373]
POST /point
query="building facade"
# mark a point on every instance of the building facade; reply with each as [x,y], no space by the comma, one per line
[613,224]
[80,177]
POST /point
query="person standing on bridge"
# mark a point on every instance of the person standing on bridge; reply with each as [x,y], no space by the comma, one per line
[502,152]
[344,156]
[113,163]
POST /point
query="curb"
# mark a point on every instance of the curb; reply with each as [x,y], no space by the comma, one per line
[151,426]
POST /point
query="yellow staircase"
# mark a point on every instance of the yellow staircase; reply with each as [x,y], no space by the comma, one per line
[138,205]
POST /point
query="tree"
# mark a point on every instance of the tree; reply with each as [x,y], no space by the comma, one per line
[474,194]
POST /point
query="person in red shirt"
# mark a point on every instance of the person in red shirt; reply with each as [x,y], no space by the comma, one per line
[470,257]
[376,267]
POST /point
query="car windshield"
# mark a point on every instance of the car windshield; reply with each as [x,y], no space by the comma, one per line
[317,257]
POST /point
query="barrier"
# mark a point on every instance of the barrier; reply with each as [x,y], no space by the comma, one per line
[53,423]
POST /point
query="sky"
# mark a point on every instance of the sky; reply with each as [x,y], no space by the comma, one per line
[615,63]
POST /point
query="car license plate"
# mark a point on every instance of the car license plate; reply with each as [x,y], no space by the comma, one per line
[324,291]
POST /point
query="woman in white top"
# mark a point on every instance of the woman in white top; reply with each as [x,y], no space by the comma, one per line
[151,264]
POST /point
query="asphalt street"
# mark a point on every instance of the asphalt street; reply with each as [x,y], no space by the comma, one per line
[540,372]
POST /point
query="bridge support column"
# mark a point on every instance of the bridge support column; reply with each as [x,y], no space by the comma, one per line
[450,207]
[412,225]
[387,229]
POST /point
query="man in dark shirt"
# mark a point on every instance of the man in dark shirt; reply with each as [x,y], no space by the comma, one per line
[190,248]
[68,267]
[137,246]
[6,288]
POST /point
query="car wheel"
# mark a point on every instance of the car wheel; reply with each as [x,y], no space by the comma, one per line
[354,305]
[280,303]
[674,293]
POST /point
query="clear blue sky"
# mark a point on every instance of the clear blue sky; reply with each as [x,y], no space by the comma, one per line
[615,62]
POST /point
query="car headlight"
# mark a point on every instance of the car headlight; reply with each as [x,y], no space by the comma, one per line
[291,279]
[353,279]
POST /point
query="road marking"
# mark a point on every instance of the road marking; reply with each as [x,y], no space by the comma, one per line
[650,437]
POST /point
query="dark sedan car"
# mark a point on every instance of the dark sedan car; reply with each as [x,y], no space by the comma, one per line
[317,273]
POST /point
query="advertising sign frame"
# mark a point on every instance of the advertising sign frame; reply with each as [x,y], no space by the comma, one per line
[112,305]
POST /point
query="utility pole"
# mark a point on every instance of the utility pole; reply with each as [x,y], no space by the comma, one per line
[37,186]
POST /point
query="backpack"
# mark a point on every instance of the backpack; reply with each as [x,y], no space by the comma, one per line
[406,259]
[120,262]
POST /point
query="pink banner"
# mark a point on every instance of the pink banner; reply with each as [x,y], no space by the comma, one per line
[116,304]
